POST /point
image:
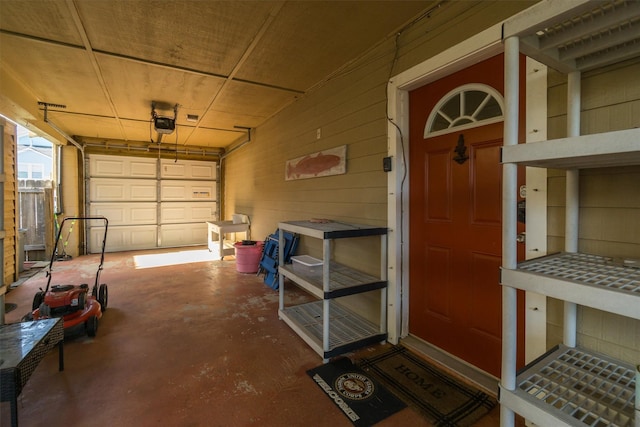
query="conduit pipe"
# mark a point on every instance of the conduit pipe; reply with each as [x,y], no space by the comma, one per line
[248,129]
[224,156]
[572,202]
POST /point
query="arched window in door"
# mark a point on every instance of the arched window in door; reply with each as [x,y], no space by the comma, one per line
[465,107]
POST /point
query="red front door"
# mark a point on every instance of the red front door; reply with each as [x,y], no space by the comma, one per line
[455,225]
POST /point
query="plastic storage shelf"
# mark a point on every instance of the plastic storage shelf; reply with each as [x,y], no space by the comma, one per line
[619,148]
[343,281]
[595,281]
[325,325]
[567,385]
[348,330]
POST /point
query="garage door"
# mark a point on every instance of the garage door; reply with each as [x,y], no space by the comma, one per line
[151,203]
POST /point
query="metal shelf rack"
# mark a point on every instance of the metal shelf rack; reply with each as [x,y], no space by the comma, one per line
[325,325]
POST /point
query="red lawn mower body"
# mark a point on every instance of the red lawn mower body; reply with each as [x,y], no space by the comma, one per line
[74,303]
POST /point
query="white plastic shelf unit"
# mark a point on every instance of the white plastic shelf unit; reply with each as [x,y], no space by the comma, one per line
[582,388]
[569,385]
[325,325]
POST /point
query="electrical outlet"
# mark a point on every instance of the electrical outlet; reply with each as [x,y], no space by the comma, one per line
[318,133]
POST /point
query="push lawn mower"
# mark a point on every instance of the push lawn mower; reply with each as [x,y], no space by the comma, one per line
[73,303]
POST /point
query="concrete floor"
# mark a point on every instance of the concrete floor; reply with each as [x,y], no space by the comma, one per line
[185,341]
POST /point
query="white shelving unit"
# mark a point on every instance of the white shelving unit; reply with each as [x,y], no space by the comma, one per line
[569,385]
[325,325]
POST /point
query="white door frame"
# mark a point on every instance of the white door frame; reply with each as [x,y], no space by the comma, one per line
[484,45]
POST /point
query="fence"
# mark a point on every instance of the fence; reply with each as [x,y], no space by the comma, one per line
[32,217]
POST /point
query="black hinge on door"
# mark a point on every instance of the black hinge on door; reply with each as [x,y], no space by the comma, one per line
[461,151]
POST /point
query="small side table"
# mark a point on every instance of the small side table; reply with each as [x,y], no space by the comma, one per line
[22,347]
[215,236]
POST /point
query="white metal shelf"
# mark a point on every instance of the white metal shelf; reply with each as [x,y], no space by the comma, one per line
[343,281]
[574,387]
[348,330]
[591,280]
[619,148]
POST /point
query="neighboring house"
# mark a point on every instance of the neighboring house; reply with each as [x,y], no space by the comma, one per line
[34,157]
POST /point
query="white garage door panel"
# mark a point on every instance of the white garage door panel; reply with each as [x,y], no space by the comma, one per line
[122,190]
[188,170]
[127,213]
[181,212]
[117,166]
[183,234]
[124,238]
[173,190]
[149,202]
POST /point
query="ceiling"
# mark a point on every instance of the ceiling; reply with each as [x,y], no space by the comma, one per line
[233,64]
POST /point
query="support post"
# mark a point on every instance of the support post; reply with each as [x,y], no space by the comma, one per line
[572,203]
[509,224]
[326,306]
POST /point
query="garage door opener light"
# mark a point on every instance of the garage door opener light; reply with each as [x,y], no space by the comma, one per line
[163,124]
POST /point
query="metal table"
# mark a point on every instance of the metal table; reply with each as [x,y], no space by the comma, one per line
[22,347]
[215,236]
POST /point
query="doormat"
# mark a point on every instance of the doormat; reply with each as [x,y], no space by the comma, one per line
[361,398]
[443,400]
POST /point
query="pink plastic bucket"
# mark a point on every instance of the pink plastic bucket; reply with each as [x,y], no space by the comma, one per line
[248,257]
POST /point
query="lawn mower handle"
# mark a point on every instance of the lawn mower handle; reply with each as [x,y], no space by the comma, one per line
[104,241]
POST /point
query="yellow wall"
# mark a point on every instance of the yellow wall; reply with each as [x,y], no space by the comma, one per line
[609,201]
[349,108]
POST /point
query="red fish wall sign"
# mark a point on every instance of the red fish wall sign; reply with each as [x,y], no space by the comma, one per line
[322,163]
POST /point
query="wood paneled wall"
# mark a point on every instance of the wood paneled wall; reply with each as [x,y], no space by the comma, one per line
[10,193]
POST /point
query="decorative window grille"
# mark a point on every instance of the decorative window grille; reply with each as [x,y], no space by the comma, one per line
[465,107]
